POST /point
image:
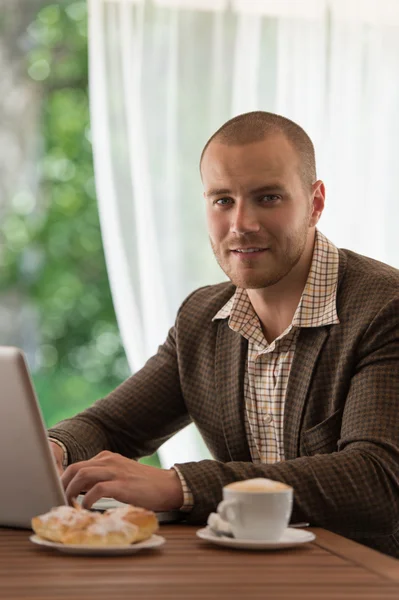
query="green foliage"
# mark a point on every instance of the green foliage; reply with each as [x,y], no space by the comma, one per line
[53,250]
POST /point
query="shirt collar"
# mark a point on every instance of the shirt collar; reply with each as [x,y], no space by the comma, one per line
[318,304]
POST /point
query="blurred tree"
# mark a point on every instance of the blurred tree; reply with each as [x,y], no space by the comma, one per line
[20,99]
[50,241]
[20,106]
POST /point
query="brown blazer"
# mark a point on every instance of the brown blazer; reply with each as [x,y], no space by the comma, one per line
[341,427]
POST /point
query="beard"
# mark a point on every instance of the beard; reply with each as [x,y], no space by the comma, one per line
[267,270]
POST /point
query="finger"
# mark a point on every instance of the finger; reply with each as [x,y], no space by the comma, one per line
[109,489]
[71,471]
[104,458]
[85,478]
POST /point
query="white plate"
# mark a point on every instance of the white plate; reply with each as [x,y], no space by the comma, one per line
[290,539]
[153,542]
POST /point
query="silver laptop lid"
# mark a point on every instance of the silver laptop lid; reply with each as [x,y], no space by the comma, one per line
[30,484]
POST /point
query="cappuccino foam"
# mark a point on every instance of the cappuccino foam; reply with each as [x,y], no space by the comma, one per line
[258,485]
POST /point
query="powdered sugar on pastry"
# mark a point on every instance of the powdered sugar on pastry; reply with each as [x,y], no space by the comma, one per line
[66,515]
[74,525]
[106,530]
[56,523]
[124,510]
[144,519]
[109,523]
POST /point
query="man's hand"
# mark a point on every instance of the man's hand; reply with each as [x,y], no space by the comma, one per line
[115,476]
[58,454]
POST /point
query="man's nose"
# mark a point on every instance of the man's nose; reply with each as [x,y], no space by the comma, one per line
[244,220]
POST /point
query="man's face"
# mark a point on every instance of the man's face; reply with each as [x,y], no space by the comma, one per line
[260,217]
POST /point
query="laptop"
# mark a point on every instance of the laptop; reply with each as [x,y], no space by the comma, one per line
[30,484]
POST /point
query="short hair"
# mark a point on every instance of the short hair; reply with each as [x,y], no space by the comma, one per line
[256,126]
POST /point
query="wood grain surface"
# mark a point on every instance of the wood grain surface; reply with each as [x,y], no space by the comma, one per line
[187,567]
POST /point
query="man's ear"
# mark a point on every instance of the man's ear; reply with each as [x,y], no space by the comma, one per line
[318,200]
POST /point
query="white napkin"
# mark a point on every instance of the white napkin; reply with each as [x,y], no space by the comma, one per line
[219,526]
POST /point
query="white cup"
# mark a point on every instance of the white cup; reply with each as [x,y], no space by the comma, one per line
[257,509]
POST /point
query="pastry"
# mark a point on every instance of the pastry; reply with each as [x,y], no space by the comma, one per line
[104,530]
[77,526]
[56,523]
[145,520]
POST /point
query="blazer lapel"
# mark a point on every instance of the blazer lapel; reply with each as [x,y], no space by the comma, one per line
[231,354]
[309,344]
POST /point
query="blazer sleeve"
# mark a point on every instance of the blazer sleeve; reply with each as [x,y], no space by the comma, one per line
[136,418]
[354,490]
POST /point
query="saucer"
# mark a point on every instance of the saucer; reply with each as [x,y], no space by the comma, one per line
[290,538]
[153,542]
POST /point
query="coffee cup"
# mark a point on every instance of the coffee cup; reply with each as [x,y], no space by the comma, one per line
[257,509]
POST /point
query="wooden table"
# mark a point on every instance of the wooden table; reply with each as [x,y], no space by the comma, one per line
[188,568]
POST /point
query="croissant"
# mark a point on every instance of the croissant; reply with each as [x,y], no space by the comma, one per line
[105,530]
[145,520]
[116,527]
[56,523]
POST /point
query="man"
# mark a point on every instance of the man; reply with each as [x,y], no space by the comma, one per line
[290,372]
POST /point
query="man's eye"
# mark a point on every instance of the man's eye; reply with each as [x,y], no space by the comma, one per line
[223,201]
[270,198]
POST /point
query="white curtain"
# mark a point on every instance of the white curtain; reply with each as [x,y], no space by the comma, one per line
[165,74]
